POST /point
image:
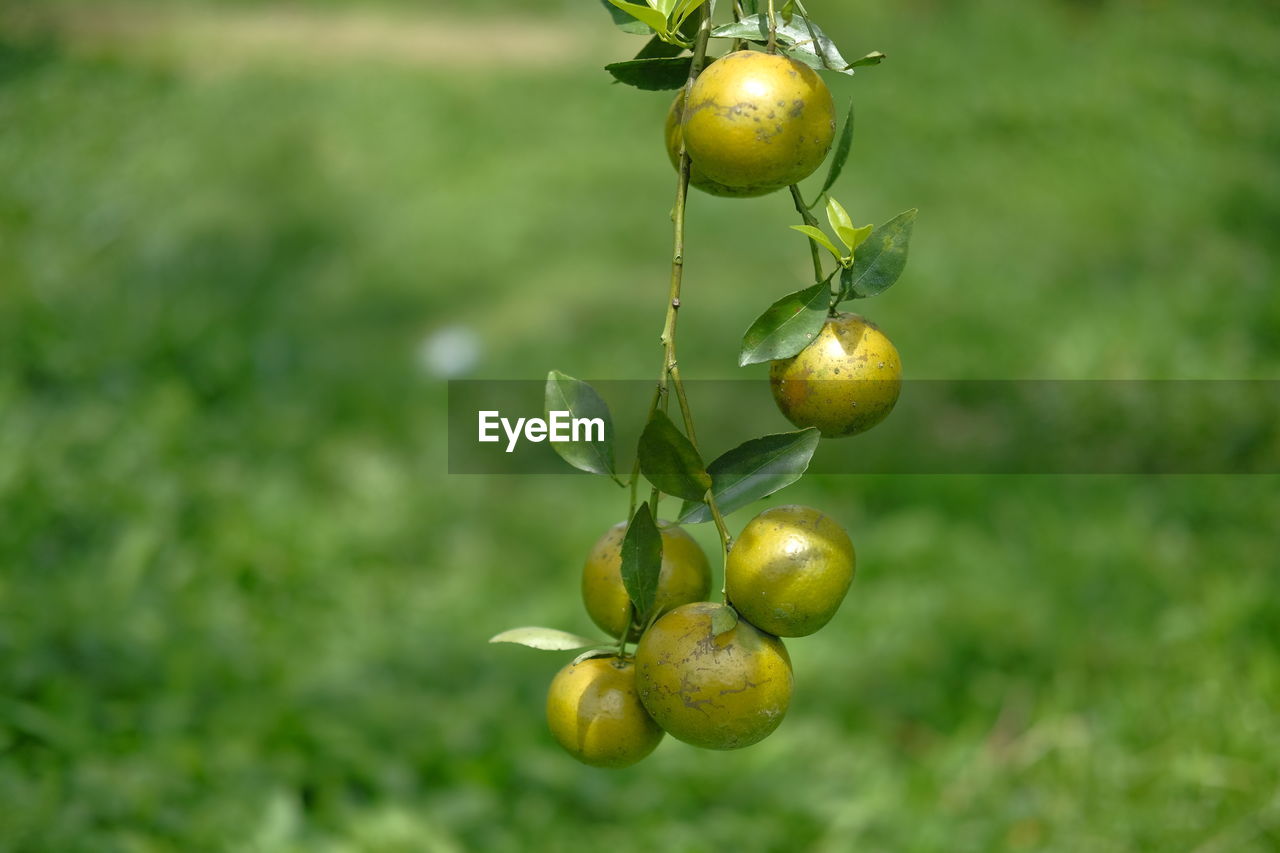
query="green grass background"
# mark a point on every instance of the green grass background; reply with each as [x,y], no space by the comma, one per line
[243,606]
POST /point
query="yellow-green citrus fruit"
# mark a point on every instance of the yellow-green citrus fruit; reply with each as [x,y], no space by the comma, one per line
[595,714]
[844,382]
[789,570]
[698,178]
[715,691]
[685,576]
[758,120]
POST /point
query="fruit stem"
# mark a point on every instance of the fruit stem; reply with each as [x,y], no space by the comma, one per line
[772,46]
[808,219]
[668,338]
[726,543]
[738,15]
[670,366]
[622,636]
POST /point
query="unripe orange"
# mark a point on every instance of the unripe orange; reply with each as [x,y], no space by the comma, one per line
[685,576]
[789,570]
[593,711]
[844,382]
[758,120]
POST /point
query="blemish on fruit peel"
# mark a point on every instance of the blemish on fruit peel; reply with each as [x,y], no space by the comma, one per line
[560,427]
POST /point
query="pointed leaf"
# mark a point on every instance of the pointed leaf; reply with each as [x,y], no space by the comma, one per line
[688,23]
[548,639]
[841,154]
[877,265]
[685,8]
[818,237]
[580,400]
[807,43]
[650,17]
[787,326]
[857,236]
[670,461]
[843,225]
[800,38]
[652,74]
[642,560]
[755,469]
[838,216]
[625,22]
[875,57]
[748,28]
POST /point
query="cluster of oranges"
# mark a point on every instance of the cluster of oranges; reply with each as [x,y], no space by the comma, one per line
[712,675]
[718,675]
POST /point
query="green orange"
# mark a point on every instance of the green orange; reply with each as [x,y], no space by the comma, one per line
[844,382]
[697,177]
[715,690]
[685,576]
[789,570]
[757,120]
[593,711]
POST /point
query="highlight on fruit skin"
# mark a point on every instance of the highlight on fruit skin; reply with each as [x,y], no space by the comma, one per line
[697,178]
[593,711]
[717,691]
[789,570]
[758,120]
[844,382]
[685,576]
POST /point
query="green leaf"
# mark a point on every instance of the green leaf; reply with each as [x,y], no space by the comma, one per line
[877,265]
[642,561]
[875,57]
[723,619]
[806,42]
[670,462]
[753,470]
[656,48]
[547,639]
[625,22]
[842,152]
[685,8]
[687,22]
[818,237]
[838,216]
[580,400]
[800,38]
[748,28]
[652,74]
[652,18]
[860,236]
[841,222]
[787,326]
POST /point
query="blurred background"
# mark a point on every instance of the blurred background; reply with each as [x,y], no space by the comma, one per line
[243,606]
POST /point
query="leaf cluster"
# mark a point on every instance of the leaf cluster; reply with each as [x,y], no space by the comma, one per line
[663,63]
[871,261]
